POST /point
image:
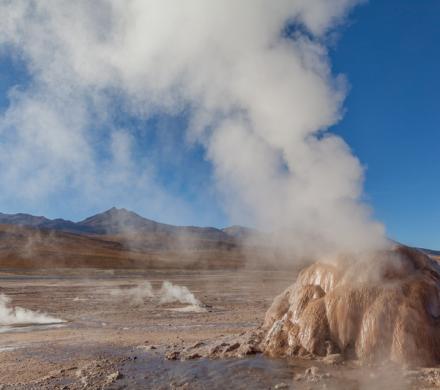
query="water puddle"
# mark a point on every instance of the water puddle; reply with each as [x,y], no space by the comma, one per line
[150,370]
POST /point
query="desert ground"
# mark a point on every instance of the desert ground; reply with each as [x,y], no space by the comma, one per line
[110,340]
[106,330]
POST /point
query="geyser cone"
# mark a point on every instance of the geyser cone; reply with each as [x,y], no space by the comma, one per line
[385,306]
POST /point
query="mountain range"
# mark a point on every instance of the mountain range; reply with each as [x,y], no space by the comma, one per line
[121,221]
[119,238]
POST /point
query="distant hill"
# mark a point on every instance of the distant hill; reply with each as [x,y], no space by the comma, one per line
[39,222]
[116,238]
[114,222]
[119,238]
[23,219]
[241,232]
[36,248]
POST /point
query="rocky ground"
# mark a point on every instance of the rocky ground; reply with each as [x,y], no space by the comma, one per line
[111,340]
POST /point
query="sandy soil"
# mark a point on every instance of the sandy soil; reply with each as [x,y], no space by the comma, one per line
[110,341]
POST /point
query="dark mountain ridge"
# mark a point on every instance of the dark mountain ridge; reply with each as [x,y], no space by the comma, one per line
[146,232]
[117,221]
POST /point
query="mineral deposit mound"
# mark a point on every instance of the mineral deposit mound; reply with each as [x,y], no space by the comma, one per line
[385,306]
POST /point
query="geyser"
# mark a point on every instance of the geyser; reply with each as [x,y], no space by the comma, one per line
[254,82]
[10,315]
[252,78]
[168,293]
[384,306]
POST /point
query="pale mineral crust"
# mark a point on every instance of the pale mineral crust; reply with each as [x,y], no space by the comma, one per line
[383,306]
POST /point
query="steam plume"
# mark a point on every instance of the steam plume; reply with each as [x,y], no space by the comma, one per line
[136,294]
[173,293]
[168,293]
[17,315]
[253,76]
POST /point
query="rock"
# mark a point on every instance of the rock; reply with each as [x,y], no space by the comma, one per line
[198,344]
[247,349]
[173,355]
[232,347]
[313,371]
[215,350]
[79,373]
[147,347]
[430,376]
[335,358]
[312,374]
[192,356]
[281,386]
[114,377]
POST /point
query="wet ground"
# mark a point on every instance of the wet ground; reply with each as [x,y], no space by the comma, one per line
[99,322]
[112,341]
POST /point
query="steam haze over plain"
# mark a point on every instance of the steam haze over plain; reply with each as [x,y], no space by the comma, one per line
[251,78]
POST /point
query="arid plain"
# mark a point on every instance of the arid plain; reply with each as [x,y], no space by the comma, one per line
[107,320]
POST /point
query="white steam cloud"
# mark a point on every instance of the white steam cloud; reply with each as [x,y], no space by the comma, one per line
[259,100]
[10,315]
[168,293]
[136,295]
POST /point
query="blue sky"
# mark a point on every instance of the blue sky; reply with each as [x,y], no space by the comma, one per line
[390,55]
